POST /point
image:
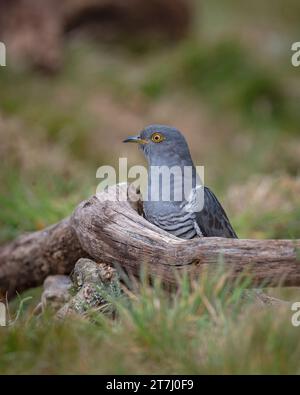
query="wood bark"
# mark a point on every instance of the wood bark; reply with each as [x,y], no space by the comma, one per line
[27,261]
[114,233]
[88,279]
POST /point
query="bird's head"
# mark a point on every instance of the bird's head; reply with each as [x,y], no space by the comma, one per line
[162,145]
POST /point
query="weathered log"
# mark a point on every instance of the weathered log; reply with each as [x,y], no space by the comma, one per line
[28,260]
[112,232]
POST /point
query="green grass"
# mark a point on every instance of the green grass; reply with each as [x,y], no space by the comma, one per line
[230,79]
[202,327]
[30,206]
[55,131]
[269,225]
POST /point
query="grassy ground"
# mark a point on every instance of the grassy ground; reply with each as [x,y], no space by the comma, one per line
[202,328]
[237,103]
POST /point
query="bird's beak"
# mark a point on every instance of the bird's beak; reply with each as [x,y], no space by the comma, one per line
[135,139]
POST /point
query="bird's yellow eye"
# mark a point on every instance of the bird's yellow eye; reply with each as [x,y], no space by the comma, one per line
[157,137]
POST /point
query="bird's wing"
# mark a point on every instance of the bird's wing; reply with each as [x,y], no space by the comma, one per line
[212,220]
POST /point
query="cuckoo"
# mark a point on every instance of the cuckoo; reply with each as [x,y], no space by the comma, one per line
[179,204]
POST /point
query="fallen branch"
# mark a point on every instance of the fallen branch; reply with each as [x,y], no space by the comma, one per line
[27,261]
[112,232]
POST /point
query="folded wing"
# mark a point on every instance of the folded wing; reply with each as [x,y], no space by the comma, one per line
[212,220]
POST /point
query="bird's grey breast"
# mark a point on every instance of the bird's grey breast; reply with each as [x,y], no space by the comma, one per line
[173,211]
[173,218]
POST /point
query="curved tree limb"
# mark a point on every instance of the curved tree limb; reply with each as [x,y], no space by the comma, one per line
[27,261]
[112,232]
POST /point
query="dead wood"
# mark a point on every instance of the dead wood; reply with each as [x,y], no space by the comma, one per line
[114,233]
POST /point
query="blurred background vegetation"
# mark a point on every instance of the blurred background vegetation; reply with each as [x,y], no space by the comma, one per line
[228,85]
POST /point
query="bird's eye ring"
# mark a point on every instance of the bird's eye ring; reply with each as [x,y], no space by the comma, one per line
[157,137]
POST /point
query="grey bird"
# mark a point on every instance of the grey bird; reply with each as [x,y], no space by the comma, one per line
[166,146]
